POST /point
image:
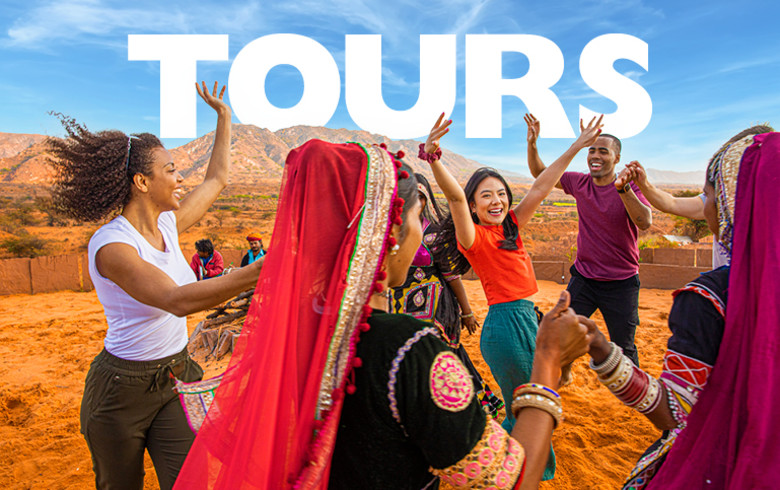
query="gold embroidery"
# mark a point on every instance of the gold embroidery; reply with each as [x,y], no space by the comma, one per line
[495,462]
[380,183]
[452,388]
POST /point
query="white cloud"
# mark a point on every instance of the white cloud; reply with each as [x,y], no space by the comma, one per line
[96,21]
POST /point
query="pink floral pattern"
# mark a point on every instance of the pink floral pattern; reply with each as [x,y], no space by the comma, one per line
[495,462]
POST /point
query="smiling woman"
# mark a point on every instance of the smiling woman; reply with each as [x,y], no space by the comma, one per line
[146,287]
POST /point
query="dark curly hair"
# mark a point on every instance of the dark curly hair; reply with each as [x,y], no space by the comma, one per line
[95,170]
[446,239]
[205,245]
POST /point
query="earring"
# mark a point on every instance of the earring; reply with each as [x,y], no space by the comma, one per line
[394,249]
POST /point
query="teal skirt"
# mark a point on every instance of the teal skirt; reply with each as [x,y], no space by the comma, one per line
[507,343]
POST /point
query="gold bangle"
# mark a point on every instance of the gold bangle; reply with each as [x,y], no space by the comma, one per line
[620,376]
[552,407]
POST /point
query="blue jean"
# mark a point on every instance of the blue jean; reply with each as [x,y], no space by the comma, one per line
[507,343]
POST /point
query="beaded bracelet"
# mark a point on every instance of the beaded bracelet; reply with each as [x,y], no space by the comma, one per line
[678,414]
[610,363]
[428,157]
[553,407]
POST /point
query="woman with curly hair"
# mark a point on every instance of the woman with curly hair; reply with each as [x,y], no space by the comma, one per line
[146,288]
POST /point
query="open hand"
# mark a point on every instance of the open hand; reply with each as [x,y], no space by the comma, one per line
[590,133]
[212,99]
[439,129]
[533,128]
[562,331]
[469,323]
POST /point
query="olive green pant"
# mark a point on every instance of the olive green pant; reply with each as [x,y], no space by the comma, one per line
[129,406]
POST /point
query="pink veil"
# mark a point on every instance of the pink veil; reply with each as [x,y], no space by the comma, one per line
[732,439]
[274,418]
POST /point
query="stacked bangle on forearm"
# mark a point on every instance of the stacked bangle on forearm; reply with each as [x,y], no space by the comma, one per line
[532,395]
[469,315]
[628,383]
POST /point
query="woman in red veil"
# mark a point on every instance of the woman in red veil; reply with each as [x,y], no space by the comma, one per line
[327,390]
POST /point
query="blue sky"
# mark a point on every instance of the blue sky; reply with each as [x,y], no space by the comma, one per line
[713,67]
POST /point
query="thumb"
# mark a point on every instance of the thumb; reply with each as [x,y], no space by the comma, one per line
[562,305]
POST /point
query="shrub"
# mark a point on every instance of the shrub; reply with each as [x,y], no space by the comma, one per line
[26,245]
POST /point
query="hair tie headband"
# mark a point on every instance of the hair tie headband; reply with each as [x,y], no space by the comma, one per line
[127,159]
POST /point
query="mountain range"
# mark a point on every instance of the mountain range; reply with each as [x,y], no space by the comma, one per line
[258,155]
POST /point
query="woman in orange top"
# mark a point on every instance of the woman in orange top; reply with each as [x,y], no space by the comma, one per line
[487,237]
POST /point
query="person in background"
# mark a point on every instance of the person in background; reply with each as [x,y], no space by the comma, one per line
[206,262]
[255,251]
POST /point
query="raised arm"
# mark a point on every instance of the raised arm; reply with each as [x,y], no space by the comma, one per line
[197,202]
[639,212]
[535,164]
[146,283]
[688,207]
[456,198]
[550,176]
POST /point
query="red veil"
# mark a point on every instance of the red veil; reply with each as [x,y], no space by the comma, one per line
[274,418]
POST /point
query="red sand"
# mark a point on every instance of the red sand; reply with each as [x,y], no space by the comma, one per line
[48,340]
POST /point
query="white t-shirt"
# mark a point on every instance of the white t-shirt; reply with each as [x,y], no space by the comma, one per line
[136,331]
[719,255]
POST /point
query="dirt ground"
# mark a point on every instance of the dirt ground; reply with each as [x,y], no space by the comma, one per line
[48,340]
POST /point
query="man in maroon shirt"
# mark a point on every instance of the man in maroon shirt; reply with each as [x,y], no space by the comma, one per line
[605,275]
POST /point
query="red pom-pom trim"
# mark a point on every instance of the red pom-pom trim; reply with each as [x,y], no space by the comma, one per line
[381,275]
[398,202]
[351,389]
[367,310]
[398,221]
[357,362]
[392,241]
[404,174]
[364,327]
[383,145]
[338,394]
[400,154]
[397,164]
[378,287]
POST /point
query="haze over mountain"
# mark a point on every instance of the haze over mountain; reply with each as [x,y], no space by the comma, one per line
[259,154]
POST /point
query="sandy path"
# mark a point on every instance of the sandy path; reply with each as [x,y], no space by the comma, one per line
[47,342]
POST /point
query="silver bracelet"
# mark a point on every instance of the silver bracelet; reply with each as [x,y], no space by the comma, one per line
[610,363]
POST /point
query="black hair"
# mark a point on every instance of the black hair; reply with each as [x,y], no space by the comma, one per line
[616,144]
[407,190]
[437,215]
[446,240]
[95,170]
[754,130]
[204,246]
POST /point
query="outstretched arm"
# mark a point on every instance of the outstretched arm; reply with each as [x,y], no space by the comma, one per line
[559,341]
[456,198]
[197,202]
[688,207]
[639,212]
[550,176]
[151,286]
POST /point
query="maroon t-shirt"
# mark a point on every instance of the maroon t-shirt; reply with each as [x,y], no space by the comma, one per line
[607,240]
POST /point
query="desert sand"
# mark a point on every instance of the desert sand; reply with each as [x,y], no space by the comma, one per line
[47,342]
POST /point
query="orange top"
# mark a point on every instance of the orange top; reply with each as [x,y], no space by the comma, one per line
[506,275]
